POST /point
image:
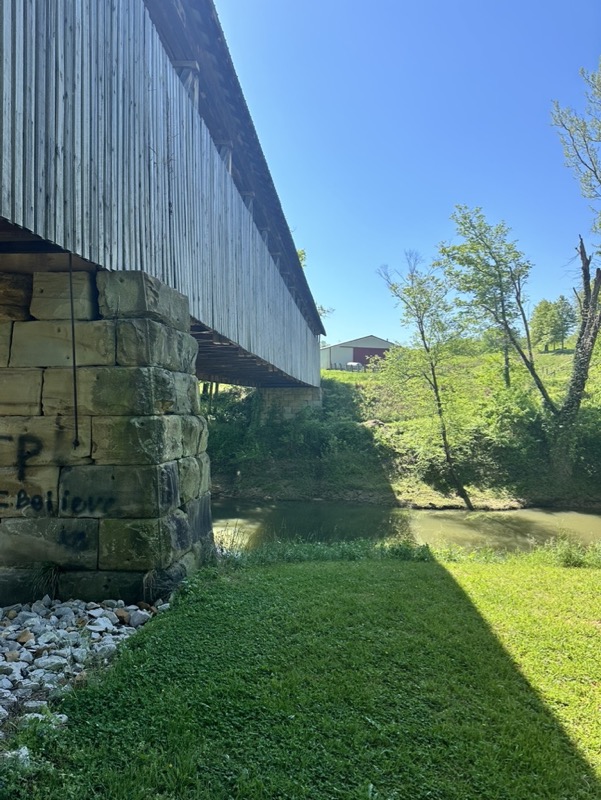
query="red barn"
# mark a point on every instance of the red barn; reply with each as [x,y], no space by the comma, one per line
[355,351]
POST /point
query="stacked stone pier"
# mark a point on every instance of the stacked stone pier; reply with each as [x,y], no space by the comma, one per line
[104,476]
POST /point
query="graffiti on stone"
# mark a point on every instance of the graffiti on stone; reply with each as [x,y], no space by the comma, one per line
[28,446]
[66,504]
[46,503]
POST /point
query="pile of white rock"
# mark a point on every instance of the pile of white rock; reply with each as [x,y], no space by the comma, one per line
[46,647]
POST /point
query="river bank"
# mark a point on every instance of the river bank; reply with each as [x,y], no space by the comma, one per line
[280,484]
[375,444]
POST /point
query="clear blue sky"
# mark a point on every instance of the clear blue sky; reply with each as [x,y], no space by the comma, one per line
[377,118]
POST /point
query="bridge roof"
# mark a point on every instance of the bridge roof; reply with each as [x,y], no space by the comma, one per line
[193,37]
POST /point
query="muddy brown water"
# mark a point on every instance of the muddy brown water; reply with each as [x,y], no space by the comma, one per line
[240,523]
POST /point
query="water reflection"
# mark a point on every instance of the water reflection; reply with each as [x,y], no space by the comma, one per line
[252,524]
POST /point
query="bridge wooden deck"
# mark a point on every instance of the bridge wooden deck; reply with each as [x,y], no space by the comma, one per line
[125,141]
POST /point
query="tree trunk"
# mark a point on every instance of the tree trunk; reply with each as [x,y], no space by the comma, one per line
[506,372]
[549,404]
[450,461]
[562,456]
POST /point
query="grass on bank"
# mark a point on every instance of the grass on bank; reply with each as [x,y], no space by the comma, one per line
[370,677]
[377,439]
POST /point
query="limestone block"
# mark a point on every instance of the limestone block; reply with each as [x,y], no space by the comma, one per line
[136,294]
[20,391]
[119,492]
[65,542]
[32,493]
[146,343]
[15,295]
[286,403]
[51,298]
[91,585]
[136,440]
[186,395]
[48,344]
[115,391]
[5,336]
[204,436]
[204,466]
[132,544]
[35,441]
[199,518]
[17,585]
[195,434]
[177,533]
[160,583]
[189,479]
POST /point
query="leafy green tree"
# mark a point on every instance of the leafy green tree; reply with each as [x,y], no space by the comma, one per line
[551,323]
[490,273]
[580,136]
[565,319]
[425,307]
[543,324]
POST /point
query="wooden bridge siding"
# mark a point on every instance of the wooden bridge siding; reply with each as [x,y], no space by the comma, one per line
[103,153]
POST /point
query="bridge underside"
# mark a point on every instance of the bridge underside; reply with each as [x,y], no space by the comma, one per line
[219,359]
[222,361]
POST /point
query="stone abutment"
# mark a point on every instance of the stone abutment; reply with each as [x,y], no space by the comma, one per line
[104,476]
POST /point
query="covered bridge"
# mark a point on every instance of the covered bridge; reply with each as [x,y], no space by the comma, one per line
[136,212]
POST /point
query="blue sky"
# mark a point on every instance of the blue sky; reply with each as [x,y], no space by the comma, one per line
[377,119]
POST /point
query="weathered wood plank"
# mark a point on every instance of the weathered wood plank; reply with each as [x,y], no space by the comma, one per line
[103,153]
[18,113]
[6,136]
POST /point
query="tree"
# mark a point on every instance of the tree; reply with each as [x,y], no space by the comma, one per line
[491,273]
[543,324]
[580,136]
[552,323]
[565,319]
[422,296]
[590,321]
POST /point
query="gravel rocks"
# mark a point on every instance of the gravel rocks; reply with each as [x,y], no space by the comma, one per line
[46,646]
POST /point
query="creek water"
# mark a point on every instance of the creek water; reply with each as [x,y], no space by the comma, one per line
[240,524]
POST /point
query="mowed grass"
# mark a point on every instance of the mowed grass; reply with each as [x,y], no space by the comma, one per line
[362,679]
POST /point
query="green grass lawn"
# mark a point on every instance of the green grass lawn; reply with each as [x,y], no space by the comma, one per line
[362,679]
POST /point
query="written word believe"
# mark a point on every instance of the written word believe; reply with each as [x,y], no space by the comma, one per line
[66,504]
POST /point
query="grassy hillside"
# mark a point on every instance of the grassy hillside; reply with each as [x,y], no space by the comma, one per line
[377,440]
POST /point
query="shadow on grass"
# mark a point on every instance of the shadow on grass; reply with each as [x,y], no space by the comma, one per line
[501,738]
[356,680]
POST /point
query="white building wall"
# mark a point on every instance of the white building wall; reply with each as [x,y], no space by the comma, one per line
[336,355]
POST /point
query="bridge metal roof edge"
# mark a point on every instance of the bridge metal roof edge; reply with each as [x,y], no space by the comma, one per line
[191,33]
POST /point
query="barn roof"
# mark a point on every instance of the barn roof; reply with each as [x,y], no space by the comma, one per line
[364,341]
